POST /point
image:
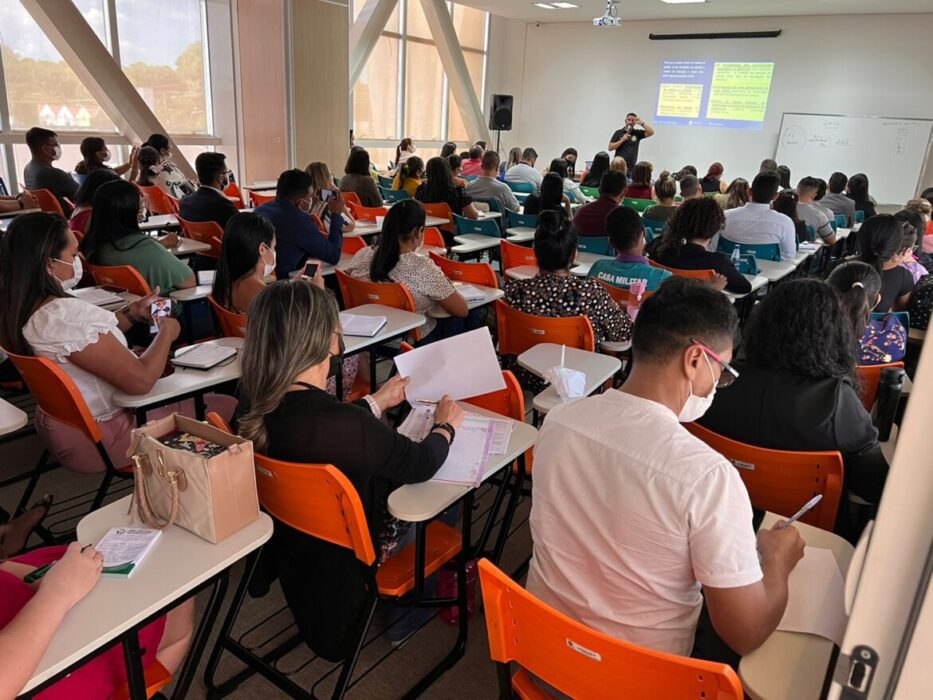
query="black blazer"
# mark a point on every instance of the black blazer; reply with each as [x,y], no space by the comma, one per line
[206,204]
[691,256]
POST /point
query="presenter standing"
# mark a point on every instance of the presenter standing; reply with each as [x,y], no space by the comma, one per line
[625,141]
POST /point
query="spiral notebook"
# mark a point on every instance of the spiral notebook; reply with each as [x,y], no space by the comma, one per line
[203,356]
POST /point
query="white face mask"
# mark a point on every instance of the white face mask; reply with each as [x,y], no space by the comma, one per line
[56,152]
[696,406]
[268,269]
[78,270]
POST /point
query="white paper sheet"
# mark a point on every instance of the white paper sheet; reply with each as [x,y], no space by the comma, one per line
[469,292]
[501,432]
[462,367]
[470,449]
[97,296]
[816,597]
[358,325]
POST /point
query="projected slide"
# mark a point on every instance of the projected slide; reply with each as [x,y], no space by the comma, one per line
[714,93]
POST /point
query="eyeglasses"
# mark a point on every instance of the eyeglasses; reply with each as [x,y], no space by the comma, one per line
[729,373]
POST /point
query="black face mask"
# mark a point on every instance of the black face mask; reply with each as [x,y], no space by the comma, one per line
[336,361]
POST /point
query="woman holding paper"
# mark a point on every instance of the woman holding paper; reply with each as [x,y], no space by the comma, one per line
[292,342]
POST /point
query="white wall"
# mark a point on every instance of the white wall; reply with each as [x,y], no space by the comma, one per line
[573,83]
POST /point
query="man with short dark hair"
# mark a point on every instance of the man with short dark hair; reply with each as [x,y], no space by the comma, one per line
[627,235]
[208,202]
[525,171]
[625,141]
[591,218]
[488,187]
[690,187]
[758,223]
[837,201]
[810,213]
[474,164]
[40,174]
[297,236]
[634,520]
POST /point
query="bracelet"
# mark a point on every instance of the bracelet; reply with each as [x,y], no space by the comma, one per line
[447,427]
[373,406]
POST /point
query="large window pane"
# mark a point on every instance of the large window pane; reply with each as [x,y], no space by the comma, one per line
[424,85]
[391,25]
[456,130]
[375,95]
[416,24]
[41,88]
[470,24]
[380,157]
[162,52]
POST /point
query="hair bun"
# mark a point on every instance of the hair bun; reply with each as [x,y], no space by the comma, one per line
[665,174]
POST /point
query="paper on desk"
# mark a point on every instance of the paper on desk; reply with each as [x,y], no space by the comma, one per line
[97,296]
[469,451]
[816,597]
[469,292]
[462,367]
[807,245]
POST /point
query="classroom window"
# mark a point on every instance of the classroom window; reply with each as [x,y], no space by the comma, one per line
[375,95]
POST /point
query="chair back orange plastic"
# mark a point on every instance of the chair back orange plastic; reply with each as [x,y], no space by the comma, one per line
[782,481]
[353,245]
[519,331]
[442,211]
[156,677]
[125,276]
[702,275]
[351,198]
[472,273]
[432,236]
[356,292]
[48,202]
[870,379]
[208,232]
[232,325]
[233,190]
[514,255]
[258,198]
[579,661]
[157,201]
[622,297]
[361,213]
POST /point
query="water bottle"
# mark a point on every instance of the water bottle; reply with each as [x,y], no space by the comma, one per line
[889,394]
[736,256]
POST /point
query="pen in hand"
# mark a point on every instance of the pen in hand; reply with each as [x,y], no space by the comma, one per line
[807,507]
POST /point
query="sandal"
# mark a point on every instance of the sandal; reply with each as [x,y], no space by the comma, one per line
[15,534]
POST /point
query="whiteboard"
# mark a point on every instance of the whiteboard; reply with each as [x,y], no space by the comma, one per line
[890,151]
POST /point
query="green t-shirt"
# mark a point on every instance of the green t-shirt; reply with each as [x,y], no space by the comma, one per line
[150,258]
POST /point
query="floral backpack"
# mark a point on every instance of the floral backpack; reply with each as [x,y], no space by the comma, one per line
[885,340]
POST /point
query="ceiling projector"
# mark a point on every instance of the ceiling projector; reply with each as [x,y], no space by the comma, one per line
[610,17]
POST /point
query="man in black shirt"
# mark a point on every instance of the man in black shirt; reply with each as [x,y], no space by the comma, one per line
[625,140]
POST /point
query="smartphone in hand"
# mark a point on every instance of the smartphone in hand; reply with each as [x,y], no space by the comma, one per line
[160,308]
[310,270]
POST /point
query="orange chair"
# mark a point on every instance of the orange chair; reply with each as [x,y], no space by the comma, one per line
[156,677]
[232,325]
[352,246]
[519,331]
[319,501]
[351,198]
[473,273]
[442,211]
[433,237]
[57,395]
[208,232]
[158,202]
[514,255]
[578,660]
[782,481]
[233,191]
[48,202]
[870,378]
[258,198]
[702,275]
[361,213]
[320,224]
[124,276]
[356,292]
[622,297]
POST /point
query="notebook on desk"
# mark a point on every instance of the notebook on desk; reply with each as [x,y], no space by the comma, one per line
[364,326]
[98,296]
[203,356]
[469,292]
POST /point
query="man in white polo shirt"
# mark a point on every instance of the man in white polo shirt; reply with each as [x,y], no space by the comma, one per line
[632,517]
[757,223]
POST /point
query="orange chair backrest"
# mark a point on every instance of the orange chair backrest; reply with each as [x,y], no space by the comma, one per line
[472,273]
[204,232]
[353,245]
[218,422]
[519,331]
[781,481]
[157,201]
[56,393]
[258,198]
[320,224]
[442,211]
[356,292]
[361,213]
[703,275]
[870,378]
[48,202]
[433,236]
[233,190]
[582,662]
[622,297]
[232,325]
[351,198]
[514,255]
[125,276]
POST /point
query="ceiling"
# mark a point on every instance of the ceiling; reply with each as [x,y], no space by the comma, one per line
[655,9]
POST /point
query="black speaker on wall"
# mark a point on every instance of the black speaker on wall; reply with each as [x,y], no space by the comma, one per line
[500,113]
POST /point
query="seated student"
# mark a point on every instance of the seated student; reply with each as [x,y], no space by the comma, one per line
[297,235]
[409,176]
[209,203]
[783,173]
[635,521]
[768,165]
[474,164]
[786,203]
[24,200]
[525,171]
[924,208]
[684,244]
[95,155]
[591,218]
[488,186]
[880,241]
[358,178]
[30,616]
[515,157]
[571,188]
[685,171]
[618,163]
[323,180]
[247,258]
[689,187]
[447,149]
[569,156]
[821,189]
[592,176]
[810,213]
[292,346]
[665,188]
[167,176]
[396,259]
[40,174]
[456,170]
[837,201]
[554,292]
[84,199]
[757,223]
[859,287]
[914,259]
[627,236]
[550,198]
[857,191]
[797,390]
[441,188]
[404,151]
[641,187]
[737,194]
[712,182]
[114,238]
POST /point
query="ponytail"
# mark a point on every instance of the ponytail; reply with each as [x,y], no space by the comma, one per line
[858,285]
[665,187]
[403,218]
[409,170]
[879,240]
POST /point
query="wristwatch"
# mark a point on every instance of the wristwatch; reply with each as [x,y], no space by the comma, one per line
[447,427]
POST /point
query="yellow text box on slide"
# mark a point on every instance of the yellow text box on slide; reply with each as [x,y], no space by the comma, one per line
[680,100]
[740,91]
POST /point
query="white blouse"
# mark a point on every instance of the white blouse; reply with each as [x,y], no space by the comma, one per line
[68,325]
